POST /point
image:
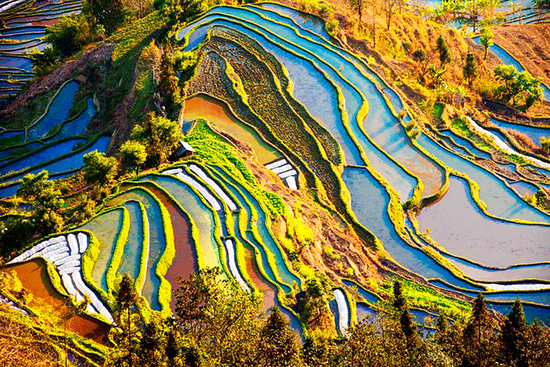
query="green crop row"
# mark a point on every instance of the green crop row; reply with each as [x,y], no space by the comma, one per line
[116,258]
[327,141]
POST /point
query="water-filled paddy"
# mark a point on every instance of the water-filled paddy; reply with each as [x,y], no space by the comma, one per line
[380,124]
[464,143]
[76,126]
[269,290]
[201,214]
[42,156]
[57,112]
[304,20]
[479,237]
[106,227]
[367,296]
[185,260]
[535,133]
[157,241]
[397,177]
[232,186]
[500,200]
[260,226]
[220,116]
[369,201]
[131,258]
[539,271]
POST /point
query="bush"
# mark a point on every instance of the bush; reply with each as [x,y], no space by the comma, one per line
[159,135]
[99,168]
[68,35]
[133,155]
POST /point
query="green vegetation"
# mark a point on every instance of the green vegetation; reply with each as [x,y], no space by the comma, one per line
[132,155]
[521,87]
[99,168]
[486,39]
[105,16]
[159,136]
[470,69]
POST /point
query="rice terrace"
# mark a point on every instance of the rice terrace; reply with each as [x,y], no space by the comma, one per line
[278,183]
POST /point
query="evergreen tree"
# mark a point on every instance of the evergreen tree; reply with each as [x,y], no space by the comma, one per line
[443,49]
[151,349]
[478,337]
[513,336]
[399,301]
[127,333]
[409,329]
[278,345]
[470,68]
[486,39]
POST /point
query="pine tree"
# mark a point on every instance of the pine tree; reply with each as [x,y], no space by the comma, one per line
[513,337]
[151,351]
[409,328]
[128,331]
[478,336]
[399,301]
[278,344]
[470,68]
[444,54]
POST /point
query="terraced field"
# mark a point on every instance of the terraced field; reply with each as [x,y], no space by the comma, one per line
[56,141]
[317,119]
[23,27]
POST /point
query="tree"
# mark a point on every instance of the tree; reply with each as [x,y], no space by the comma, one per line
[220,321]
[127,333]
[470,69]
[40,192]
[180,10]
[108,13]
[518,86]
[278,345]
[358,6]
[151,349]
[168,83]
[542,3]
[315,301]
[443,49]
[478,337]
[513,338]
[537,351]
[99,168]
[68,35]
[545,143]
[399,301]
[159,135]
[419,55]
[43,61]
[389,8]
[486,39]
[132,155]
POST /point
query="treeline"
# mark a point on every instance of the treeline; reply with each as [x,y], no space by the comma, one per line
[217,324]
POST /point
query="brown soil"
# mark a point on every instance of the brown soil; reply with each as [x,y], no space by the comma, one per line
[530,45]
[45,298]
[55,79]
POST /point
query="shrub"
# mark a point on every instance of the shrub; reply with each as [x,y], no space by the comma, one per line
[132,155]
[99,168]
